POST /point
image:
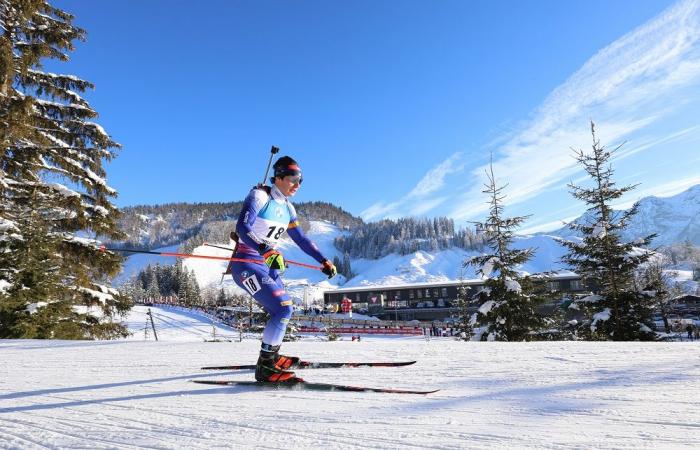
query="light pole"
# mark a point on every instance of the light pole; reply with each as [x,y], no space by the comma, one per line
[305,300]
[396,309]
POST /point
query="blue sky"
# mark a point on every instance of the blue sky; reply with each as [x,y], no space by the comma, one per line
[393,108]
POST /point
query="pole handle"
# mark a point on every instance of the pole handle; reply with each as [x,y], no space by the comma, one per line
[273,151]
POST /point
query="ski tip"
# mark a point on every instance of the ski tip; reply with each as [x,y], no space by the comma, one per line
[239,367]
[207,382]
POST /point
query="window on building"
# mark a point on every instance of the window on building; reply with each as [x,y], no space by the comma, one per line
[436,293]
[411,294]
[420,293]
[576,285]
[444,292]
[427,293]
[553,285]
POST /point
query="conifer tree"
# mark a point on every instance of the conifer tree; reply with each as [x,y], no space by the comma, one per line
[52,179]
[222,298]
[339,265]
[192,287]
[152,288]
[347,267]
[617,310]
[464,327]
[654,282]
[508,311]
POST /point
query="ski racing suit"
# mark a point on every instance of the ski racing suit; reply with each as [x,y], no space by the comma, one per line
[265,216]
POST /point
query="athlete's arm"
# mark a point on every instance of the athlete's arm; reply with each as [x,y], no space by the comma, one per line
[244,227]
[295,232]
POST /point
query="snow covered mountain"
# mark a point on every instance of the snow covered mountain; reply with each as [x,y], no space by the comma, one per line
[675,219]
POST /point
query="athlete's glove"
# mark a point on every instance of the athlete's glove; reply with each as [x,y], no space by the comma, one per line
[274,260]
[329,269]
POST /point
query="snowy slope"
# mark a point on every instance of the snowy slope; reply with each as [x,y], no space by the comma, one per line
[446,265]
[174,324]
[133,395]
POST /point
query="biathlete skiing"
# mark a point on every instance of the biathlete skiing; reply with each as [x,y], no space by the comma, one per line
[266,215]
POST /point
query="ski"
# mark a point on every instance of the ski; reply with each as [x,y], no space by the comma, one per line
[312,386]
[319,365]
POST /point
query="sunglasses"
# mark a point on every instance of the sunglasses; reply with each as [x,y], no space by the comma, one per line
[295,179]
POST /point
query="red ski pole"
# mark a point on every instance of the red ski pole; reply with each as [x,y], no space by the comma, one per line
[218,258]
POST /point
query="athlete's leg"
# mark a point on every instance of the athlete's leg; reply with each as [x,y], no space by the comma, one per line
[268,290]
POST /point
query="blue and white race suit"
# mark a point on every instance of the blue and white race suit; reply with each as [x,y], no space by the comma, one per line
[266,215]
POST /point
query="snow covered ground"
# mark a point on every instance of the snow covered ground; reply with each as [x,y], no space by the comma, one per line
[175,324]
[135,394]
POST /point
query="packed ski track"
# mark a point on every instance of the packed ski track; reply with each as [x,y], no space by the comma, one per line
[136,394]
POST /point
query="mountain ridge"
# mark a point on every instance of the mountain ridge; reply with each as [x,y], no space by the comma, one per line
[674,219]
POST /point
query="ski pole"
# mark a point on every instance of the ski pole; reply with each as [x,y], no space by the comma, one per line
[273,151]
[218,258]
[290,262]
[218,246]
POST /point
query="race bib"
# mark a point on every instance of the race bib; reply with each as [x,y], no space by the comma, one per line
[251,284]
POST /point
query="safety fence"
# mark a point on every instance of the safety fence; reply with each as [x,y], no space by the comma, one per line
[351,330]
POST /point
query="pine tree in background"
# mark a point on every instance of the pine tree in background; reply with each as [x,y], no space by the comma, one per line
[617,310]
[347,267]
[222,298]
[152,288]
[339,265]
[508,311]
[52,179]
[655,282]
[464,328]
[192,288]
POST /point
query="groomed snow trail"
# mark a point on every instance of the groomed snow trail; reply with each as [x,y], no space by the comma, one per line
[131,394]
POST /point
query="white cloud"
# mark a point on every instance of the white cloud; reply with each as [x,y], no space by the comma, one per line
[549,226]
[420,208]
[415,203]
[627,87]
[627,151]
[434,180]
[380,210]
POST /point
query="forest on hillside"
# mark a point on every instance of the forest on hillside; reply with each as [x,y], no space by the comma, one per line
[155,226]
[407,235]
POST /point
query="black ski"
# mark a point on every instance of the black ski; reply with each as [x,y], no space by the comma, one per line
[319,365]
[306,385]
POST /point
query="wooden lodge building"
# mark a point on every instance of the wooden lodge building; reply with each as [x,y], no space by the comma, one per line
[425,301]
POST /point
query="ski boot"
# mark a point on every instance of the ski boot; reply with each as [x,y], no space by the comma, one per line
[266,369]
[284,362]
